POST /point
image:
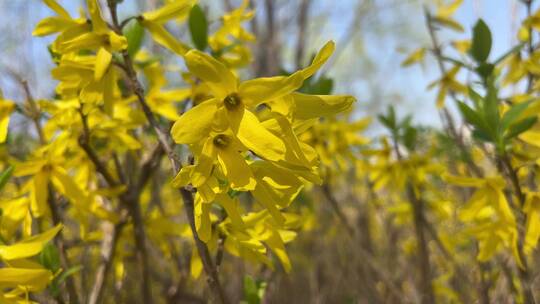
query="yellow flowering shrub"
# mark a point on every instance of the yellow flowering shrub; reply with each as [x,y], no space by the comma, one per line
[160,170]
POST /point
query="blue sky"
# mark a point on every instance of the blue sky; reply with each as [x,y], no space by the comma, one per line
[369,68]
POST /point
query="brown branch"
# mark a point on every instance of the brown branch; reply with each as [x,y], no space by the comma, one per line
[303,16]
[523,272]
[108,251]
[164,140]
[337,209]
[34,114]
[530,46]
[450,127]
[130,201]
[423,262]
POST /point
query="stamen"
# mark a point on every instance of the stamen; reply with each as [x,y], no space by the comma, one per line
[232,101]
[221,141]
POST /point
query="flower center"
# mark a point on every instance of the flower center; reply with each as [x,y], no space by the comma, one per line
[232,101]
[221,141]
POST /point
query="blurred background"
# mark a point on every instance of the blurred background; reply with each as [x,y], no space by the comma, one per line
[373,37]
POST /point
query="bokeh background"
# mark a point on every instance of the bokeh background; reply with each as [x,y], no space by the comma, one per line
[373,37]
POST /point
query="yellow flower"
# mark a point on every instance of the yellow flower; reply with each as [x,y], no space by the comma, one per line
[153,21]
[60,23]
[101,38]
[6,107]
[232,100]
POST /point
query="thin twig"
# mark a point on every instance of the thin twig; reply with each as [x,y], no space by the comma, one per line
[34,115]
[303,16]
[130,201]
[108,251]
[164,140]
[337,209]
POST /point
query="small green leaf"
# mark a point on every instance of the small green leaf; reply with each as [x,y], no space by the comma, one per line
[481,135]
[134,34]
[476,98]
[4,176]
[49,257]
[485,69]
[513,113]
[470,115]
[491,108]
[409,138]
[253,290]
[198,27]
[57,282]
[481,42]
[323,86]
[520,127]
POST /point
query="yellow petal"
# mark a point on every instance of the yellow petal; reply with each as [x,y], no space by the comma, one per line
[195,265]
[183,177]
[205,162]
[259,90]
[414,57]
[232,207]
[195,124]
[532,208]
[283,186]
[52,4]
[67,186]
[103,59]
[173,9]
[6,107]
[29,247]
[164,38]
[40,194]
[202,220]
[84,41]
[236,169]
[463,181]
[52,25]
[98,24]
[116,41]
[258,139]
[531,137]
[278,248]
[263,197]
[213,73]
[33,279]
[314,106]
[323,55]
[449,10]
[488,246]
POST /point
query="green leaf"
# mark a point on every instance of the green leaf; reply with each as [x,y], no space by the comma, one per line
[134,34]
[513,113]
[520,127]
[476,98]
[481,42]
[49,257]
[323,86]
[485,69]
[470,115]
[491,108]
[198,27]
[57,282]
[253,290]
[409,137]
[481,135]
[4,176]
